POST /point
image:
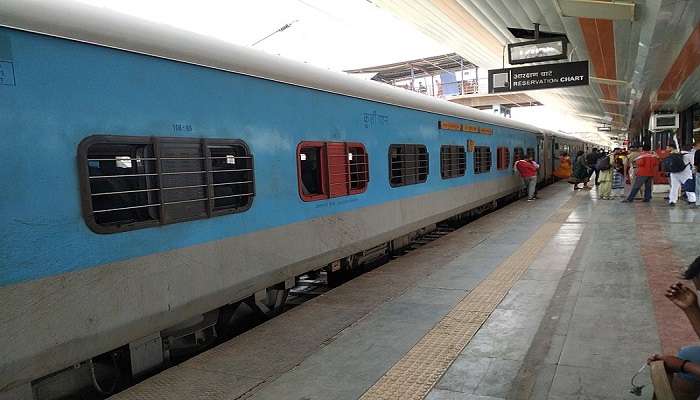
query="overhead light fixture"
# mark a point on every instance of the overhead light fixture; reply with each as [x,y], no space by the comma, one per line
[615,10]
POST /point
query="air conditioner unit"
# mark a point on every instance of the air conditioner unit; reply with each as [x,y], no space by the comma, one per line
[660,122]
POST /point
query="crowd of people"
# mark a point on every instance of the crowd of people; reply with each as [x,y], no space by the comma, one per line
[609,172]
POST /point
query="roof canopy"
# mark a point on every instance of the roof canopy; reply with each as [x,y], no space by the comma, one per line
[419,68]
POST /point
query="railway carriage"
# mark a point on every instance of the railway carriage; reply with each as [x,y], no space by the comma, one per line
[153,177]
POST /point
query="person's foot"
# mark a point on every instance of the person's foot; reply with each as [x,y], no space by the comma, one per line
[671,204]
[626,201]
[531,199]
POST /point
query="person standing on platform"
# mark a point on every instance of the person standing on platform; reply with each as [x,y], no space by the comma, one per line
[618,182]
[581,173]
[527,169]
[679,172]
[564,169]
[647,165]
[605,175]
[689,185]
[591,159]
[631,164]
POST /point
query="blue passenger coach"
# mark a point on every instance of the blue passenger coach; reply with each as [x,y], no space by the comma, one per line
[153,176]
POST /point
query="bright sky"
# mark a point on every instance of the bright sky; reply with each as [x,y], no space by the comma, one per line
[334,34]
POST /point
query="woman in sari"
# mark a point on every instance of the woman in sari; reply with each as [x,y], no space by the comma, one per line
[564,169]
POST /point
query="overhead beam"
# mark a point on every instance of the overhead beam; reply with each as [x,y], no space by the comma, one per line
[606,81]
[606,101]
[614,10]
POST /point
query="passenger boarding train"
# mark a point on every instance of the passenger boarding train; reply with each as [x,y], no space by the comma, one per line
[152,177]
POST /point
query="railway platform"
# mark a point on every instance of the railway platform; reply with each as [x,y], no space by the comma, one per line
[561,298]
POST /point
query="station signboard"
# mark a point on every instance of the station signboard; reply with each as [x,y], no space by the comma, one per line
[534,77]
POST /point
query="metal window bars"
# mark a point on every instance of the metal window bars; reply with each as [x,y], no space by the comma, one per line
[408,164]
[339,169]
[503,158]
[165,183]
[453,161]
[356,169]
[482,159]
[518,154]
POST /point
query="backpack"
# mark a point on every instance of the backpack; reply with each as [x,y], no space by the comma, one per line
[673,163]
[603,163]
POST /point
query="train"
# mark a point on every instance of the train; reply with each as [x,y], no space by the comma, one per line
[155,177]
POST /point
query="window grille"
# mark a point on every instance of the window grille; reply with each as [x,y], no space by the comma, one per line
[408,164]
[453,161]
[503,158]
[331,169]
[518,154]
[135,182]
[531,152]
[482,159]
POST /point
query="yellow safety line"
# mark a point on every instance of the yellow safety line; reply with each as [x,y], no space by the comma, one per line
[416,373]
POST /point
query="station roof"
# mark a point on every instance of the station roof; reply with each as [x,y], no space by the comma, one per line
[644,56]
[417,68]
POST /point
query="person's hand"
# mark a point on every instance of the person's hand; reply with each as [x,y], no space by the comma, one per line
[671,363]
[682,296]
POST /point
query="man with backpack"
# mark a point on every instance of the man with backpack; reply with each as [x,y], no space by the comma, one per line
[591,160]
[646,166]
[527,169]
[679,172]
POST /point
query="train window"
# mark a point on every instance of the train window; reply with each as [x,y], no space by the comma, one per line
[408,164]
[530,152]
[311,166]
[135,182]
[331,169]
[359,168]
[231,177]
[482,159]
[502,158]
[518,154]
[453,161]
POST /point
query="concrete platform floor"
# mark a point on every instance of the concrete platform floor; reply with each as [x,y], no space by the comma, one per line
[575,322]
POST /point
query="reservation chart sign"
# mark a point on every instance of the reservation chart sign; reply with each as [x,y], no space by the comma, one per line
[534,77]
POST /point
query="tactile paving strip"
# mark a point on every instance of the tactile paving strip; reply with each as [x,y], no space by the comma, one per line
[416,373]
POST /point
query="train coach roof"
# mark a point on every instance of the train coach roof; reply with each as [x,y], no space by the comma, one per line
[95,25]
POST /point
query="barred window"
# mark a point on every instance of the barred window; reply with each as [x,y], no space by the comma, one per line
[408,164]
[453,161]
[502,158]
[482,159]
[134,182]
[331,169]
[518,154]
[531,152]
